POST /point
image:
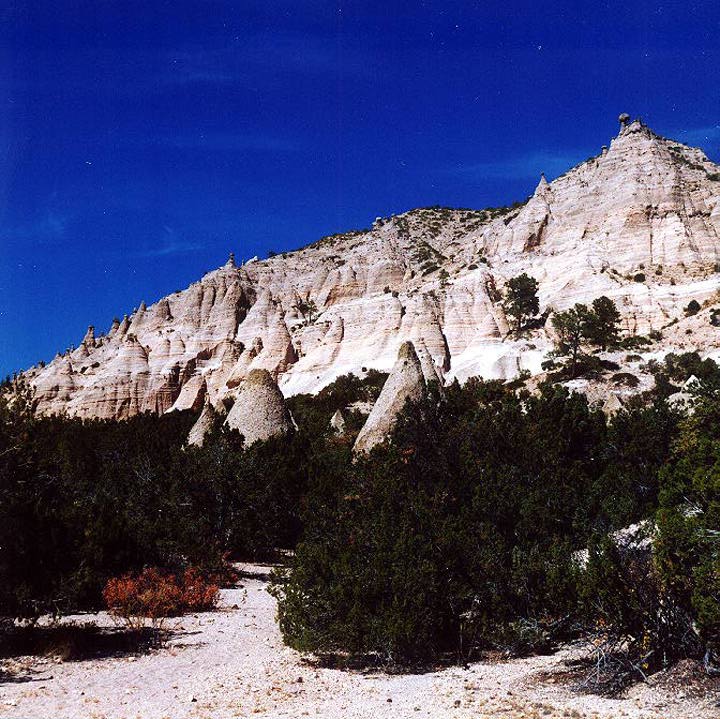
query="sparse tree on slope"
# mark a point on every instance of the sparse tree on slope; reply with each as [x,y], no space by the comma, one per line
[602,325]
[571,327]
[308,310]
[521,301]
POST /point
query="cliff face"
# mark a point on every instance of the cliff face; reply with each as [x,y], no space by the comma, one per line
[639,223]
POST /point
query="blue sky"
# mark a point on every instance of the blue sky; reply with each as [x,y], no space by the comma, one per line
[141,142]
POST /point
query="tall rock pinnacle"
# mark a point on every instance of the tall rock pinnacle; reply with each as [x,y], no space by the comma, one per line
[406,382]
[89,339]
[204,424]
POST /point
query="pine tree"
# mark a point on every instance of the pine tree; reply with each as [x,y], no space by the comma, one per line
[602,325]
[521,300]
[571,327]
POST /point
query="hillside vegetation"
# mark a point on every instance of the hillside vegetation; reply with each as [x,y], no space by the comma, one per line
[486,522]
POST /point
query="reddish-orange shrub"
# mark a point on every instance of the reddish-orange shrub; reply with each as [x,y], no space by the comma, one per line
[198,593]
[156,594]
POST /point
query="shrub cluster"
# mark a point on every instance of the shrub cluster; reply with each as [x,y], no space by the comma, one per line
[82,501]
[461,534]
[156,594]
[489,520]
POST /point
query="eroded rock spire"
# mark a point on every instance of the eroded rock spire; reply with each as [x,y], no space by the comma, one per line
[406,381]
[259,411]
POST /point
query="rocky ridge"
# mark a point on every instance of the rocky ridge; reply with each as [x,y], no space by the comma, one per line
[639,223]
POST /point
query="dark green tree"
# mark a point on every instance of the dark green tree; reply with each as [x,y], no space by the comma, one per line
[602,326]
[521,301]
[692,308]
[688,545]
[570,327]
[452,537]
[308,309]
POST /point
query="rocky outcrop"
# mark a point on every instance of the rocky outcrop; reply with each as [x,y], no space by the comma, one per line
[406,382]
[431,372]
[192,395]
[639,223]
[337,423]
[259,411]
[612,404]
[208,419]
[89,339]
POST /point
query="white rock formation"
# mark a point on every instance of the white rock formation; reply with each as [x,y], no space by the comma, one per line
[639,223]
[259,411]
[612,404]
[406,382]
[682,401]
[337,422]
[204,424]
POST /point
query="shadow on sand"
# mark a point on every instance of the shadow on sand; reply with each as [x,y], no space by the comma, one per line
[73,643]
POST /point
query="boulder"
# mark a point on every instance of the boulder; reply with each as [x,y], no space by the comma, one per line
[612,404]
[337,422]
[259,411]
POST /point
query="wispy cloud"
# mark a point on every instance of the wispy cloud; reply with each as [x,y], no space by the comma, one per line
[276,51]
[46,228]
[699,135]
[169,244]
[523,166]
[228,142]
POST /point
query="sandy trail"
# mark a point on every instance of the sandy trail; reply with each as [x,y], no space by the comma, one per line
[232,663]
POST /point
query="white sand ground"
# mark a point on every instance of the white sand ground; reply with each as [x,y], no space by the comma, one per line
[232,663]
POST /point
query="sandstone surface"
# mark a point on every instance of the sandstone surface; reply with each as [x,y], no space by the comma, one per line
[204,424]
[337,423]
[406,382]
[259,411]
